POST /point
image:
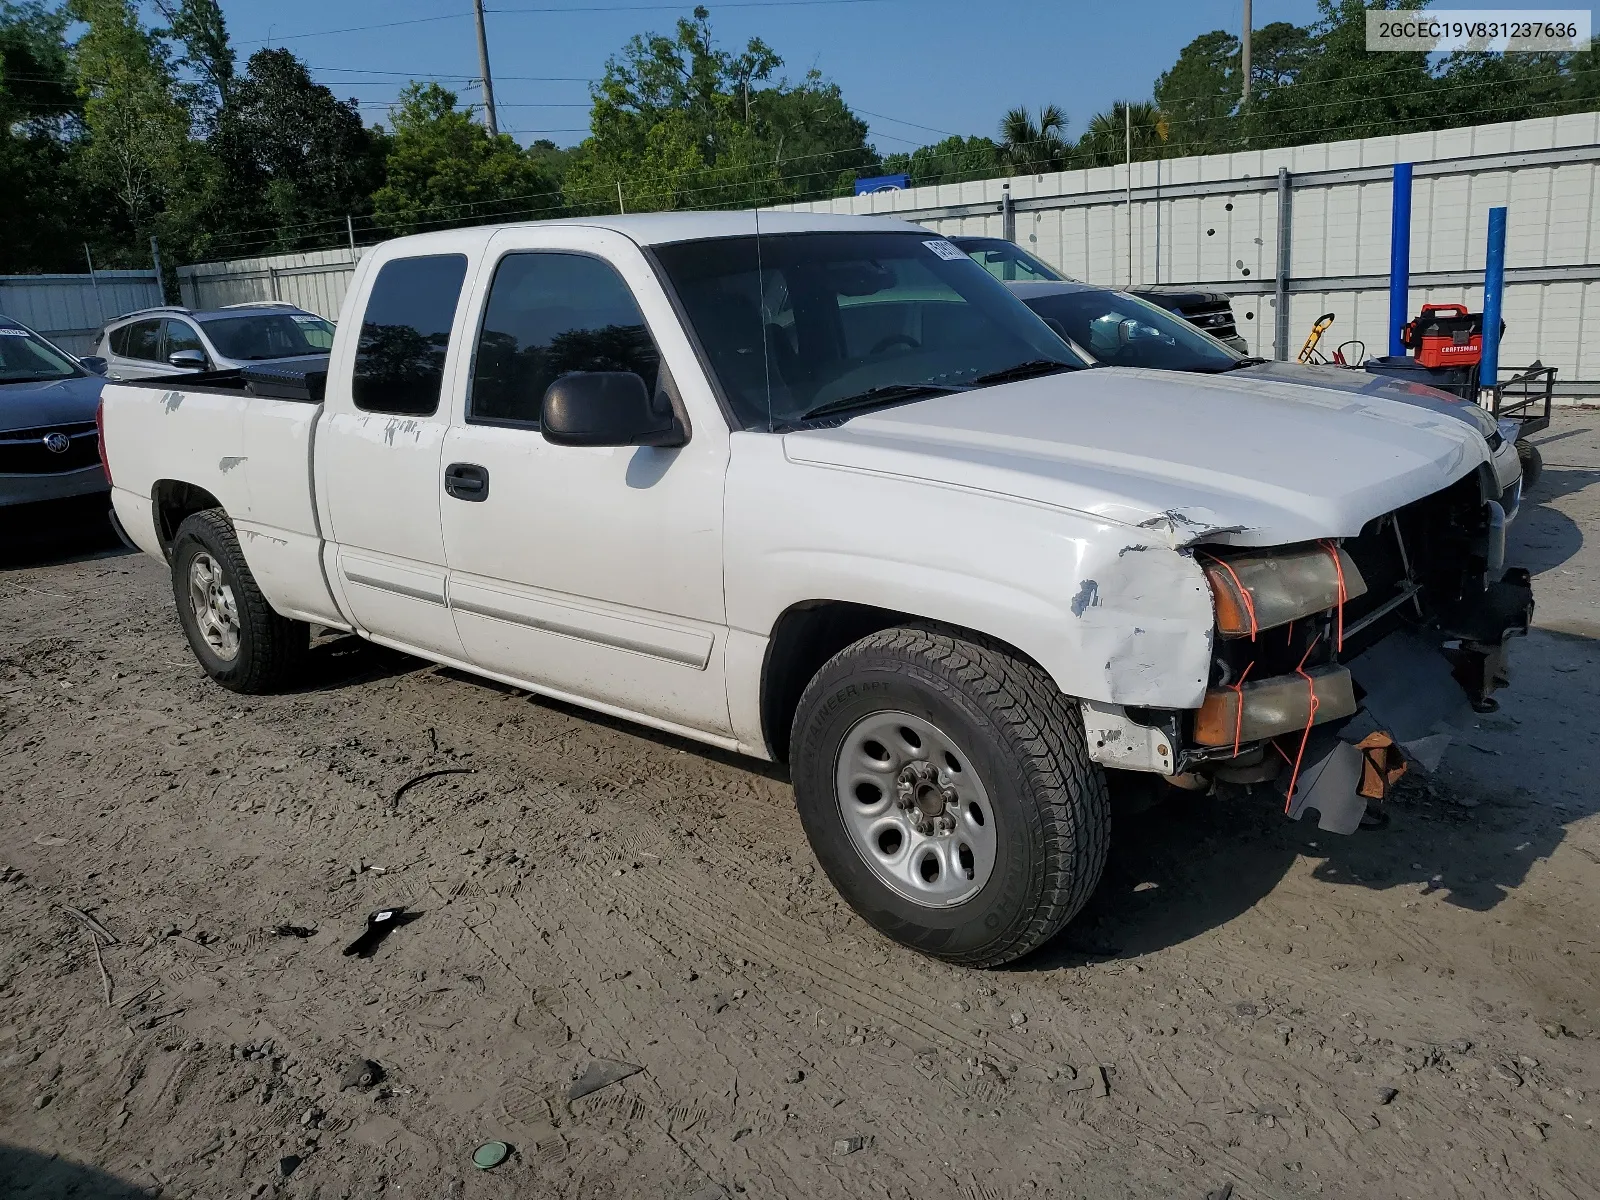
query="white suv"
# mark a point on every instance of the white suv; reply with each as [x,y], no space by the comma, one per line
[175,341]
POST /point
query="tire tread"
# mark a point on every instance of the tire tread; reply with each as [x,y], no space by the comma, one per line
[278,644]
[1072,804]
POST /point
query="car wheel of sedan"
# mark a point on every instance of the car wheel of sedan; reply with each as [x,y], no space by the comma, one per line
[239,640]
[945,787]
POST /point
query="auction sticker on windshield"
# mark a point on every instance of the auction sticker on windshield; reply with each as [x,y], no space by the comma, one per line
[945,249]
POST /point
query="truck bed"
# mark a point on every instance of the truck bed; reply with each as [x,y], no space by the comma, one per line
[250,453]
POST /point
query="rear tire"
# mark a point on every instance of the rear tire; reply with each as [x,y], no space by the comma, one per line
[240,641]
[945,787]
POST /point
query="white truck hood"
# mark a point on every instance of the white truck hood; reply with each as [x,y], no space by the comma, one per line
[1217,458]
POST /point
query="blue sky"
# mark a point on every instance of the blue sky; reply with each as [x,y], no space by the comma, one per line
[914,69]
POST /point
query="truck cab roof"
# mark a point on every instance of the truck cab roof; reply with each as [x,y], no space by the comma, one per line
[652,229]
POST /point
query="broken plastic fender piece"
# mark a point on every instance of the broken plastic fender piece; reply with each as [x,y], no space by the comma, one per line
[379,923]
[1330,775]
[1382,767]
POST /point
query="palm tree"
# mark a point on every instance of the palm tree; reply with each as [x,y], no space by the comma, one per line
[1104,142]
[1031,148]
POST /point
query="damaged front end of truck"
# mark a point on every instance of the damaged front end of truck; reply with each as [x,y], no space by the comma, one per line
[1339,664]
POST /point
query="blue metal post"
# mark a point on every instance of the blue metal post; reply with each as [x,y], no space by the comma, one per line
[1399,256]
[1494,282]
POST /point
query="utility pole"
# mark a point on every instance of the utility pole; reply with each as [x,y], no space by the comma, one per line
[161,280]
[1127,130]
[94,283]
[483,70]
[1244,52]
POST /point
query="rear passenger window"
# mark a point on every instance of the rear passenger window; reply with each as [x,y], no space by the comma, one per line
[548,315]
[405,334]
[144,341]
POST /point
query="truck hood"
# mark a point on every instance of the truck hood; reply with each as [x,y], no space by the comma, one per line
[1190,458]
[1344,379]
[52,402]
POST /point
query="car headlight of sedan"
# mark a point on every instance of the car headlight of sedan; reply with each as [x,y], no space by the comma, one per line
[1264,589]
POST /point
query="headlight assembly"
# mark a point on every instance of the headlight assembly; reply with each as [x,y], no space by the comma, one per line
[1256,591]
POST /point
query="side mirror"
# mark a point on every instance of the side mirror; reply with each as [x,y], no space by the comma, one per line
[188,360]
[605,408]
[95,364]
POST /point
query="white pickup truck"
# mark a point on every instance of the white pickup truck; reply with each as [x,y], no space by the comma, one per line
[819,489]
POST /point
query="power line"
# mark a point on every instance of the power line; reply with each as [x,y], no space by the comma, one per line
[433,75]
[584,11]
[898,121]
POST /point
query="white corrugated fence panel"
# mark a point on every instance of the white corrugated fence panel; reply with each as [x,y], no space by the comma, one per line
[1338,229]
[70,309]
[315,280]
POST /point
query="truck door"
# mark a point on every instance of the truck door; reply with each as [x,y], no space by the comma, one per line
[594,573]
[377,453]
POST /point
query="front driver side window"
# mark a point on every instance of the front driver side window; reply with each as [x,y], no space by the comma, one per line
[181,336]
[550,314]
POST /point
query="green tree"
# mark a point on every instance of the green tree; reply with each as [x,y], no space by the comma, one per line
[138,148]
[1032,147]
[198,26]
[680,122]
[40,116]
[1339,89]
[296,160]
[956,159]
[1200,94]
[1105,140]
[443,168]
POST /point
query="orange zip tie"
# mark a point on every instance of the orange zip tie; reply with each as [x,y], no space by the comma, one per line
[1249,604]
[1289,639]
[1311,719]
[1338,566]
[1238,710]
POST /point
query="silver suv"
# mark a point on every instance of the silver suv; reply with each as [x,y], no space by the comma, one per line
[175,341]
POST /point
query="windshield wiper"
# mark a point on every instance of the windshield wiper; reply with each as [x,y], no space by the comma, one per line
[886,394]
[1247,361]
[1025,370]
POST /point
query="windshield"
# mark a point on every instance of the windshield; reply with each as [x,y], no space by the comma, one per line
[827,318]
[1009,261]
[27,358]
[269,335]
[1124,331]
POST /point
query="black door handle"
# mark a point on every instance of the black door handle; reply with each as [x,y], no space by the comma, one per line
[466,481]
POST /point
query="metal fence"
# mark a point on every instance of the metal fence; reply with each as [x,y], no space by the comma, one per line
[70,309]
[1293,233]
[1289,234]
[315,280]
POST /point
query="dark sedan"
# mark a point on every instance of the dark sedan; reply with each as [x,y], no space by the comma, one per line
[1205,310]
[49,449]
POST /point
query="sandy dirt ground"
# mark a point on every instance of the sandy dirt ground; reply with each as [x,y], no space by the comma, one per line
[1247,1008]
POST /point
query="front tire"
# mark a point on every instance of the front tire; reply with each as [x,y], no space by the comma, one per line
[240,641]
[945,787]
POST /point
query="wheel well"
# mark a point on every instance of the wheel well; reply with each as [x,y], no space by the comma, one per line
[173,501]
[806,636]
